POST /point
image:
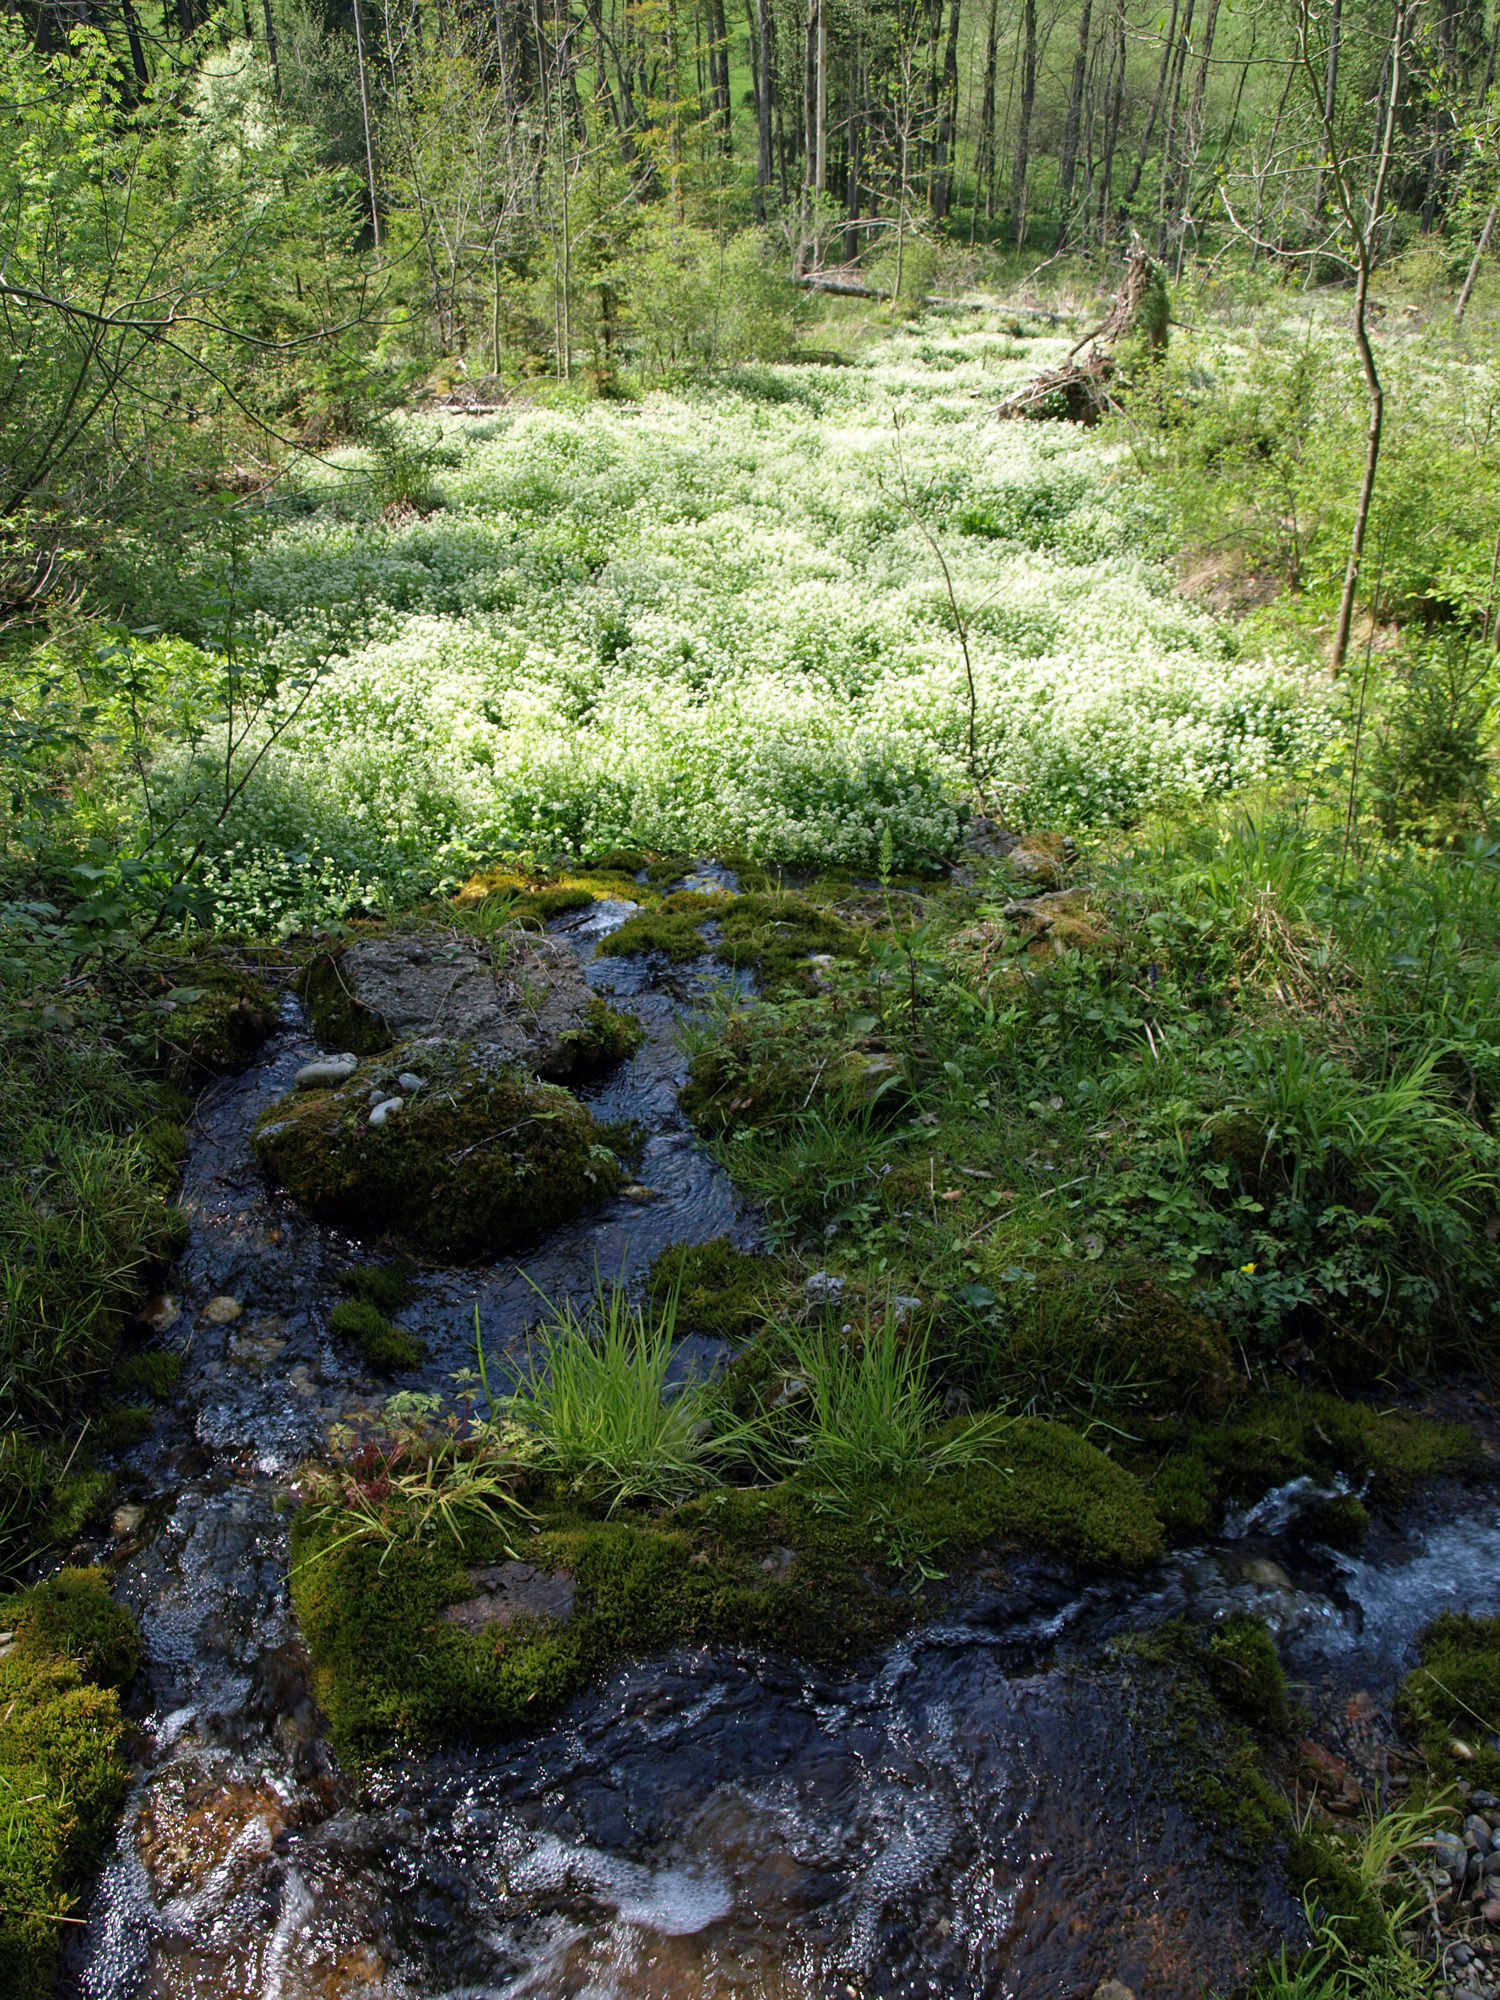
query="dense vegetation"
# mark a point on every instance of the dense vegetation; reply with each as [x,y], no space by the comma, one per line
[464,465]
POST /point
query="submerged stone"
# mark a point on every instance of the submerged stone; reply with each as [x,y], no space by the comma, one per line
[483,1156]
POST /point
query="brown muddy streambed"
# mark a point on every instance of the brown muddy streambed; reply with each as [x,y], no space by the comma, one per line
[978,1812]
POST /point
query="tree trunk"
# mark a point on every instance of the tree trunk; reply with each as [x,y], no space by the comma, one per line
[1479,249]
[364,108]
[1023,126]
[942,179]
[1069,165]
[1151,116]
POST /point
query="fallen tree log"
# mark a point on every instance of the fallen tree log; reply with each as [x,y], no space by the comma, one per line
[1078,391]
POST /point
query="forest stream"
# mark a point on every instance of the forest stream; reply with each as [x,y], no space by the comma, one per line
[979,1811]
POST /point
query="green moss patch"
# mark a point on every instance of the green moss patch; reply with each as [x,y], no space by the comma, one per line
[817,1575]
[1453,1696]
[673,929]
[776,937]
[209,1018]
[720,1290]
[387,1287]
[338,1019]
[62,1774]
[1123,1341]
[1267,1441]
[608,1036]
[1207,1700]
[481,1157]
[155,1370]
[73,1616]
[386,1348]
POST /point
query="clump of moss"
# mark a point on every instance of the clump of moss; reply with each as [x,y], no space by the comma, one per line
[72,1616]
[608,1036]
[219,1016]
[626,1139]
[776,936]
[1244,1670]
[1200,1697]
[674,929]
[1128,1341]
[1453,1695]
[62,1774]
[618,861]
[719,1289]
[481,1157]
[154,1370]
[771,1566]
[386,1348]
[387,1287]
[1270,1440]
[120,1427]
[339,1020]
[1331,1885]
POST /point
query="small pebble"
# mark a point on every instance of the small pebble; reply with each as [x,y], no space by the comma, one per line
[223,1309]
[383,1110]
[638,1191]
[409,1083]
[126,1520]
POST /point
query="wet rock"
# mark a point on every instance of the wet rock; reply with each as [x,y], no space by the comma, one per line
[1042,858]
[124,1521]
[638,1191]
[222,1310]
[521,995]
[507,1591]
[825,1287]
[327,1074]
[192,1824]
[484,1157]
[161,1314]
[1113,1989]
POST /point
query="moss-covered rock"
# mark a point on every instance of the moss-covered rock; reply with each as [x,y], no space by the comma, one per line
[672,930]
[210,1018]
[386,1348]
[522,995]
[62,1775]
[1453,1695]
[769,1566]
[719,1290]
[478,1157]
[72,1616]
[1266,1441]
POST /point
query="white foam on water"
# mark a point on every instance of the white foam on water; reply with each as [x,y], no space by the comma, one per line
[1456,1568]
[297,1906]
[673,1901]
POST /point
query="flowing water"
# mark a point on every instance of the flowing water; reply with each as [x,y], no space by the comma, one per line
[978,1813]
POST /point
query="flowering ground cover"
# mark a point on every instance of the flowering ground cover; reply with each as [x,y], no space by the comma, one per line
[736,618]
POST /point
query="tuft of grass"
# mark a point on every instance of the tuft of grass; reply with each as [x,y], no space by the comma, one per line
[595,1396]
[408,1485]
[873,1413]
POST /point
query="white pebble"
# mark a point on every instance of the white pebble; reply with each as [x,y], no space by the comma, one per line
[409,1083]
[327,1073]
[383,1111]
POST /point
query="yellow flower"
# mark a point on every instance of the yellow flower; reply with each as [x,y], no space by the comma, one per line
[1248,1269]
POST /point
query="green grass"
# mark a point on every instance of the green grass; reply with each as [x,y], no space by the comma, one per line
[595,1400]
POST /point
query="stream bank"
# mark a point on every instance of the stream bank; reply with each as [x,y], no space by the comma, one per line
[985,1808]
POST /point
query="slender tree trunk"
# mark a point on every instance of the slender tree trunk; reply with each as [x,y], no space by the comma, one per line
[1479,249]
[1362,230]
[1069,164]
[1330,103]
[984,156]
[1143,150]
[820,99]
[947,125]
[1023,126]
[364,109]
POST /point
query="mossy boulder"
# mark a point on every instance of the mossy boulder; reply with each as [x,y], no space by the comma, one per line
[521,995]
[478,1156]
[72,1616]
